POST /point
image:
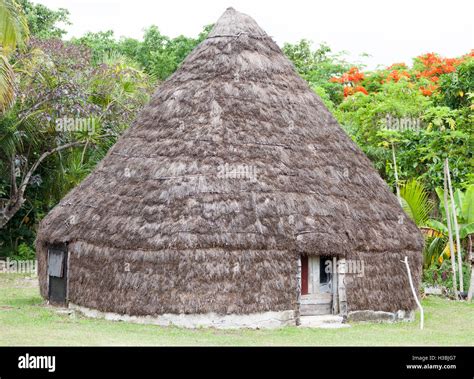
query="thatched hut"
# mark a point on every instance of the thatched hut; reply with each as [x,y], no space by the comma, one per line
[228,202]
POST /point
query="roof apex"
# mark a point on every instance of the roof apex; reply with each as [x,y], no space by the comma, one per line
[234,23]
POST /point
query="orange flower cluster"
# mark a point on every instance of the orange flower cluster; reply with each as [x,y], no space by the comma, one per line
[434,65]
[350,79]
[351,76]
[396,75]
[429,90]
[348,90]
[430,67]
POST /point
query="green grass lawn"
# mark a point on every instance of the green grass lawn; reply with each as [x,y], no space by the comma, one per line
[25,320]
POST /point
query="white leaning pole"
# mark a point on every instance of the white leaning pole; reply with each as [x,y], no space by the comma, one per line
[422,315]
[456,228]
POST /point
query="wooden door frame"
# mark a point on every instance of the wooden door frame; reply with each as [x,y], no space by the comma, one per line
[319,302]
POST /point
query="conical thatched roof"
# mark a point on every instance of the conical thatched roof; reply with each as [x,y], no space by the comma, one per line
[169,184]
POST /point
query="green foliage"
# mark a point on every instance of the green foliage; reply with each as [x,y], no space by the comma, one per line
[368,113]
[433,250]
[161,55]
[438,226]
[318,67]
[43,21]
[467,207]
[463,204]
[25,252]
[440,132]
[101,44]
[437,247]
[442,275]
[321,92]
[56,80]
[7,84]
[13,33]
[158,55]
[455,87]
[13,26]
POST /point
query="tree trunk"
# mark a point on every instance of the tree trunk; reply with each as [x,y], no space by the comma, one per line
[8,211]
[17,197]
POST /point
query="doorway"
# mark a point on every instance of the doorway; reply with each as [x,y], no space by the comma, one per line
[316,286]
[57,275]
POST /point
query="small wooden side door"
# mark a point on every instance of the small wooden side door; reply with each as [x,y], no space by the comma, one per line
[57,274]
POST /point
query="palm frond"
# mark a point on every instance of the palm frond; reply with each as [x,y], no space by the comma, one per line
[415,202]
[7,84]
[14,30]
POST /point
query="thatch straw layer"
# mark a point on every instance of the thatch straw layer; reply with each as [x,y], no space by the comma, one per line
[234,161]
[139,282]
[384,285]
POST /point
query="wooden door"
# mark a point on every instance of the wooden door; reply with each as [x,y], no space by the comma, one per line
[57,275]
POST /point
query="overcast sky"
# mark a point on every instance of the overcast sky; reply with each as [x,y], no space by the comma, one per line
[390,31]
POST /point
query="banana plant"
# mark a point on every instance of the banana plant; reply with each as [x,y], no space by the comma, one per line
[464,206]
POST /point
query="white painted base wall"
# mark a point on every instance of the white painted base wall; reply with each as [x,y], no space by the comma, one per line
[265,320]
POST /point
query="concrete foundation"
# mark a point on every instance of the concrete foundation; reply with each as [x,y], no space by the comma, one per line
[265,320]
[380,316]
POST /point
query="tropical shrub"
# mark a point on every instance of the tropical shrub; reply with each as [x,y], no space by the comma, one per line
[57,84]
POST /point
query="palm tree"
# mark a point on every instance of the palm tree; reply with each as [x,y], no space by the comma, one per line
[14,33]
